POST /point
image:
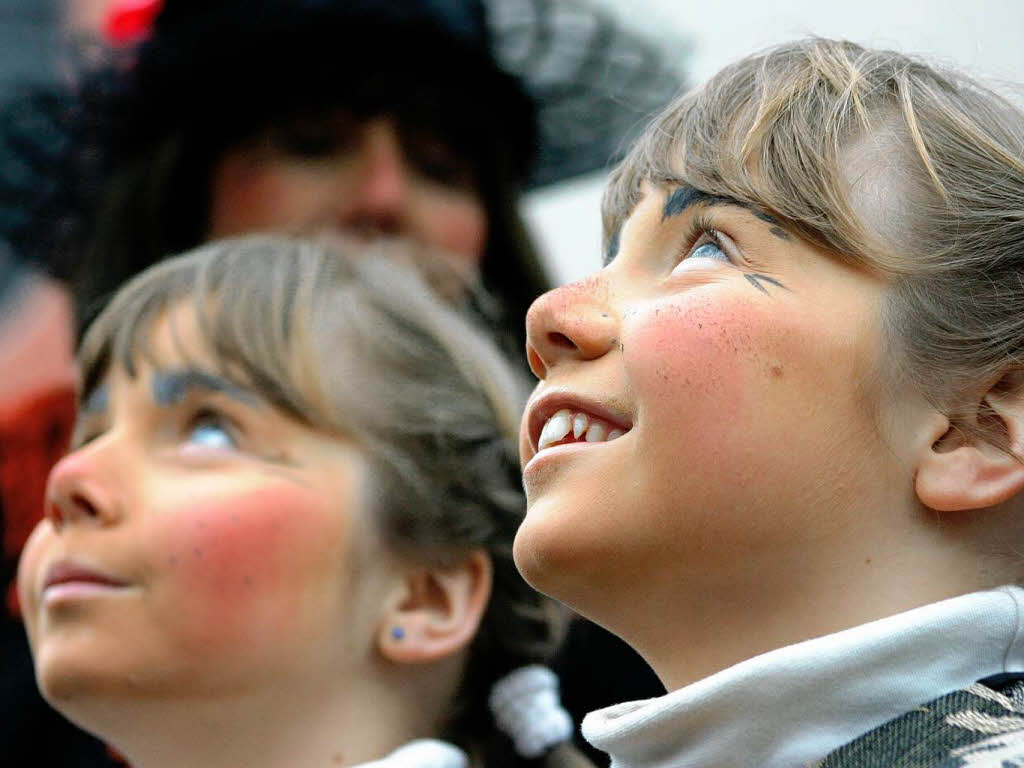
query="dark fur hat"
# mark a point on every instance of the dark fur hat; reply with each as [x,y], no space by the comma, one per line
[528,91]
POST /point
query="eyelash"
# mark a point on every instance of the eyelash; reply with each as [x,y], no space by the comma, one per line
[207,414]
[702,227]
[194,417]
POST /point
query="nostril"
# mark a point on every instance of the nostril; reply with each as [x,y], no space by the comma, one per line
[536,363]
[52,513]
[83,506]
[561,340]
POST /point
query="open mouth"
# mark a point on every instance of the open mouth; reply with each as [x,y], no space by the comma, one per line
[558,419]
[565,426]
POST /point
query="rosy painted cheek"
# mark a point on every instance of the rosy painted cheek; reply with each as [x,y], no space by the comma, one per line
[690,360]
[718,381]
[246,567]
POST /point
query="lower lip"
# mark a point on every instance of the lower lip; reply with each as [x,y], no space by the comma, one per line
[556,452]
[77,590]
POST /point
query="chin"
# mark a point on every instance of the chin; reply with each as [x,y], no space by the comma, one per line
[63,679]
[530,563]
[72,691]
[555,559]
[71,671]
[97,699]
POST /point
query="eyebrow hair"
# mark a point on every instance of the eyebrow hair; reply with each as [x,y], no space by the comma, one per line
[685,196]
[171,387]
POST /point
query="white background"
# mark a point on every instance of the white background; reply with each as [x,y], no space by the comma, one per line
[985,37]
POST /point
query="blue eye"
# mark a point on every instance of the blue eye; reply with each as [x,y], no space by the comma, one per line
[210,431]
[709,251]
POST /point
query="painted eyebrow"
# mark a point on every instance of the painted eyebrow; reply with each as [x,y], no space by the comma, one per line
[685,196]
[173,386]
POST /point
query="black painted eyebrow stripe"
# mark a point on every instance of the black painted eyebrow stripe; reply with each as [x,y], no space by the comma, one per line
[171,387]
[762,215]
[685,196]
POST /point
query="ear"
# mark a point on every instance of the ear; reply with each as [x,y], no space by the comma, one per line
[961,471]
[434,612]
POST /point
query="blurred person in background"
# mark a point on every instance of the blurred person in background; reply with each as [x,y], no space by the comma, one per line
[188,121]
[36,366]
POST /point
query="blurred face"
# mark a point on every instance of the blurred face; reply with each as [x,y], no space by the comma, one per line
[367,177]
[707,421]
[197,542]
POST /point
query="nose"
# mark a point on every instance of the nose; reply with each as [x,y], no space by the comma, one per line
[377,201]
[574,322]
[77,491]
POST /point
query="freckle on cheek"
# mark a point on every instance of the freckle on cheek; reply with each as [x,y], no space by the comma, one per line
[237,567]
[690,361]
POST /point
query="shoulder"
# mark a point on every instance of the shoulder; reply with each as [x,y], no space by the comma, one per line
[981,725]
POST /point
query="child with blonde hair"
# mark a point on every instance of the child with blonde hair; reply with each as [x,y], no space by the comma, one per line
[283,534]
[778,441]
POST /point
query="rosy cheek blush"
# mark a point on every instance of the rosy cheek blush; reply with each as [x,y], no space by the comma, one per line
[714,380]
[688,359]
[247,565]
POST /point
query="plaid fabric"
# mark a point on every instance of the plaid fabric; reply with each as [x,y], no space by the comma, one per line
[982,725]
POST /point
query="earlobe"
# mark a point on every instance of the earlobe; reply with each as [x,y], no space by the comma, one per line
[435,612]
[963,471]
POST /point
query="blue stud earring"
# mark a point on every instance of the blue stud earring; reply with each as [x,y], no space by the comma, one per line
[397,632]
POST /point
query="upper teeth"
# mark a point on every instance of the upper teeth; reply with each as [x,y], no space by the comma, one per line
[565,421]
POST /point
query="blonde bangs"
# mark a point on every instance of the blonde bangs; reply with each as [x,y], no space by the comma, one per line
[774,130]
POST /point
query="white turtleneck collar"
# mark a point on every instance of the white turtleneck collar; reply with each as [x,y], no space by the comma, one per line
[422,753]
[792,706]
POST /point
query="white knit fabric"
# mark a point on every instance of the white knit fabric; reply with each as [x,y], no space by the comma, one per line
[526,706]
[792,706]
[422,753]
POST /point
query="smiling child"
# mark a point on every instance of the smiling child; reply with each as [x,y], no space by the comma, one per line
[777,440]
[283,534]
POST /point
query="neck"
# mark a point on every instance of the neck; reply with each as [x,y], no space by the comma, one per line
[689,631]
[265,729]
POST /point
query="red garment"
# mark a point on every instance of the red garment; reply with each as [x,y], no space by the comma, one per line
[34,434]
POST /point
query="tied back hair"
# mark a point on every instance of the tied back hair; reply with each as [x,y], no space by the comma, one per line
[349,339]
[891,164]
